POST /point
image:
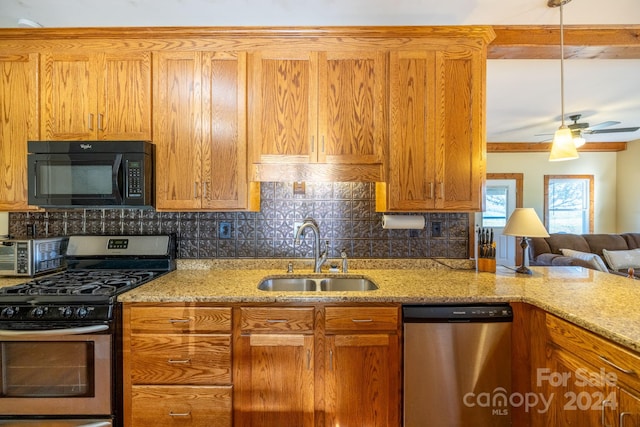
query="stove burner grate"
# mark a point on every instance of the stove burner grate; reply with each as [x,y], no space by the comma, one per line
[81,282]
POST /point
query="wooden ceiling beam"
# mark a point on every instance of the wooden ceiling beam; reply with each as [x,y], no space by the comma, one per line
[532,147]
[580,42]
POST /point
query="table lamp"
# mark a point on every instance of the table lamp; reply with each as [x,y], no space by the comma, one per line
[524,222]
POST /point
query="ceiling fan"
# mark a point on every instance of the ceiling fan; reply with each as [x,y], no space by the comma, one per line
[578,128]
[585,129]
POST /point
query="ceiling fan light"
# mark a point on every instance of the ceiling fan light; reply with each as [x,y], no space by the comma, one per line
[563,147]
[579,141]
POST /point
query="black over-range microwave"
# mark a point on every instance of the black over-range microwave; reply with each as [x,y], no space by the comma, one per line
[77,174]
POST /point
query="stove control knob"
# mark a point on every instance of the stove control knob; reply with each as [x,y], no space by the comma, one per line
[67,312]
[38,312]
[82,312]
[8,312]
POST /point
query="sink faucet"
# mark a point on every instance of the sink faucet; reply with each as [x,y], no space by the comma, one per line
[319,258]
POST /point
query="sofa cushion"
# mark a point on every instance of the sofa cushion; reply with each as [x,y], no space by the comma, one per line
[619,260]
[594,261]
[632,239]
[567,241]
[610,242]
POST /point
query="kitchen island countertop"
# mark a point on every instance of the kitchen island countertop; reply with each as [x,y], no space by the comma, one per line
[600,302]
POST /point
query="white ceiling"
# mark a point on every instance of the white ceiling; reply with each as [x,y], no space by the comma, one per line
[523,96]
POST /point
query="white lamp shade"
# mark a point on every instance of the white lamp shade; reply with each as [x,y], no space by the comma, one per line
[563,147]
[525,222]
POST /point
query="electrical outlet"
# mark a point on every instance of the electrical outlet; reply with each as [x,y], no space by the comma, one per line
[436,229]
[297,225]
[224,230]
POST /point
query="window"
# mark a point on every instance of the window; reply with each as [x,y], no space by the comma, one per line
[568,203]
[495,214]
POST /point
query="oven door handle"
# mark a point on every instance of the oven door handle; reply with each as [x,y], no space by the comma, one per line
[98,424]
[54,332]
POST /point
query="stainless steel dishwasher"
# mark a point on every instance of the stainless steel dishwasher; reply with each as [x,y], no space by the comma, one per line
[457,365]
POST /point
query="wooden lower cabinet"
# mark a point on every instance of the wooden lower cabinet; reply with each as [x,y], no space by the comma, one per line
[586,379]
[177,366]
[362,366]
[317,366]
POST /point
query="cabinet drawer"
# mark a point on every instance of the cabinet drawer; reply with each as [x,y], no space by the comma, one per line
[181,359]
[167,406]
[298,319]
[595,350]
[174,320]
[361,318]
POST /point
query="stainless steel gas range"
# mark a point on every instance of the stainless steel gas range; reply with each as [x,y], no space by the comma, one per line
[60,334]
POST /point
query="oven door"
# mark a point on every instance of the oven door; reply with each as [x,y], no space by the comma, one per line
[56,423]
[63,372]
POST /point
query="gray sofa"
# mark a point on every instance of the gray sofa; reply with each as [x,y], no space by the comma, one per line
[548,251]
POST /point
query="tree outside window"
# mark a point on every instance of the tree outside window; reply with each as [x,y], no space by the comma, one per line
[568,204]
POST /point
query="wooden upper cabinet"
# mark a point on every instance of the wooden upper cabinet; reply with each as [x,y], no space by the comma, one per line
[18,124]
[284,107]
[200,131]
[96,96]
[352,87]
[437,143]
[319,108]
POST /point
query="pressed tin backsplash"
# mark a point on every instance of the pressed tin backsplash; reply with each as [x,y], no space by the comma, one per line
[345,213]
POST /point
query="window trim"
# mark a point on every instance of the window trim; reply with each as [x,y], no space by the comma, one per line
[547,178]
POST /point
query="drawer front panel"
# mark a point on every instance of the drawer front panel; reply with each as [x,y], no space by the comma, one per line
[172,320]
[595,350]
[170,406]
[181,359]
[361,319]
[282,319]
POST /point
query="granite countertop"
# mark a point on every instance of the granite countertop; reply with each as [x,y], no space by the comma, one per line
[600,302]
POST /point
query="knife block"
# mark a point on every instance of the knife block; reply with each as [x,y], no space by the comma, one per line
[486,264]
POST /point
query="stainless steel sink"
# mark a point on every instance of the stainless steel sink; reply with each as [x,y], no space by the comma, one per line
[311,284]
[278,284]
[347,284]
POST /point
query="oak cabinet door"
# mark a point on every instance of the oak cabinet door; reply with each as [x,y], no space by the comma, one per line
[362,385]
[69,92]
[177,105]
[578,397]
[437,149]
[275,383]
[200,131]
[352,106]
[96,96]
[460,147]
[412,162]
[284,107]
[124,97]
[224,123]
[18,124]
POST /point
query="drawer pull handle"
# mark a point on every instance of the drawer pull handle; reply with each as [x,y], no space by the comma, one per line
[276,320]
[180,414]
[179,361]
[362,320]
[619,368]
[179,320]
[622,415]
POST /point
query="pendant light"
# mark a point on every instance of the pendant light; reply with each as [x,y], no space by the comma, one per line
[563,147]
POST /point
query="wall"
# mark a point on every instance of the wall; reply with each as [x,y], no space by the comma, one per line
[345,213]
[535,165]
[4,224]
[627,191]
